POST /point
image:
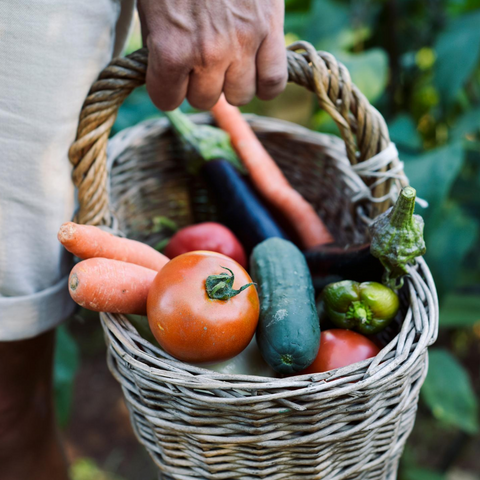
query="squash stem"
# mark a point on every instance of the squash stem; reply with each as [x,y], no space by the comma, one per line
[402,212]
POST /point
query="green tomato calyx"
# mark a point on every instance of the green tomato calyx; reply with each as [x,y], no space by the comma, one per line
[220,287]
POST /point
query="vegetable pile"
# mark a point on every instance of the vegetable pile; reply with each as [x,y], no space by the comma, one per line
[239,296]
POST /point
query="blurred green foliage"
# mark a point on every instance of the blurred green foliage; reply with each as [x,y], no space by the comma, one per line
[449,393]
[418,62]
[66,363]
[87,469]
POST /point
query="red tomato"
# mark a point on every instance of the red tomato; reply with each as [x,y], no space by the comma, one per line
[206,236]
[190,325]
[339,348]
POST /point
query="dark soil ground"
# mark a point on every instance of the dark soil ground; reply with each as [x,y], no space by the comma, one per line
[99,426]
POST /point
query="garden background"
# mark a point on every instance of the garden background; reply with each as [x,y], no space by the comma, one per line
[418,62]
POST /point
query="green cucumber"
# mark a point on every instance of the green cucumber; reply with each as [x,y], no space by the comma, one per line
[288,331]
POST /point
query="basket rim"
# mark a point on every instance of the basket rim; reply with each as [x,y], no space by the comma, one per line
[333,144]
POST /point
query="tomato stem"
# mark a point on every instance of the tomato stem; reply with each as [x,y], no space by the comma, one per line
[220,287]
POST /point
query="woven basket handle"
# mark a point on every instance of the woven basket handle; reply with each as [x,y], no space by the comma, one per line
[362,127]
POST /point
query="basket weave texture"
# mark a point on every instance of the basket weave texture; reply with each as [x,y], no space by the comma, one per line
[350,423]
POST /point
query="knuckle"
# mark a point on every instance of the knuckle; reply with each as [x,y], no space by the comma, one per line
[201,103]
[210,55]
[168,58]
[168,106]
[172,62]
[165,100]
[249,38]
[273,80]
[239,101]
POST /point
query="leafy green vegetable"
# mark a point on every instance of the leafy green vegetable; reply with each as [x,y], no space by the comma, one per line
[161,222]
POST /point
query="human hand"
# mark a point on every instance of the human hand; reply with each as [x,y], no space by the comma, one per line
[201,48]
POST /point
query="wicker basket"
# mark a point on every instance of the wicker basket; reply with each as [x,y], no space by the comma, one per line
[350,423]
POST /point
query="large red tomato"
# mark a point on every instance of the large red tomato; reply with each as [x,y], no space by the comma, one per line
[206,236]
[339,348]
[187,322]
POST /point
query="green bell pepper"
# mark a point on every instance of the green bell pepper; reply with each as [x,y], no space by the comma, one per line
[367,307]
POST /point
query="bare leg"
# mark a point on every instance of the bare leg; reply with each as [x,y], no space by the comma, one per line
[30,446]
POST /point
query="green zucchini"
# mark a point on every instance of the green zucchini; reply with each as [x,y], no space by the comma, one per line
[288,331]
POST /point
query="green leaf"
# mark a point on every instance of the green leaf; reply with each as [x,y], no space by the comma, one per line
[325,20]
[449,235]
[160,222]
[369,71]
[87,469]
[403,132]
[421,474]
[66,363]
[160,246]
[295,5]
[460,310]
[466,124]
[295,24]
[458,50]
[455,7]
[433,173]
[448,392]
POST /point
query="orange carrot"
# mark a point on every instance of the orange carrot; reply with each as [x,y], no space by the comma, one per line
[105,285]
[268,178]
[87,241]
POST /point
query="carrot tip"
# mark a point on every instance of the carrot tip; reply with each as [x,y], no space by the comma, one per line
[73,282]
[67,232]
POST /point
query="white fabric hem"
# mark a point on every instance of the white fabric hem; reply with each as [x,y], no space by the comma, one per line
[27,316]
